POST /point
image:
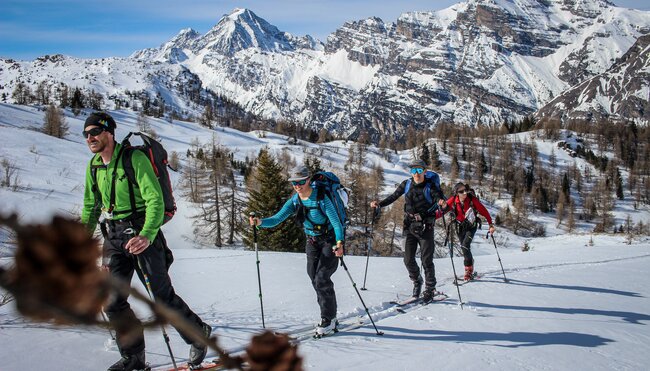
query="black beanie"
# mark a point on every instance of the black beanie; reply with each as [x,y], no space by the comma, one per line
[101,119]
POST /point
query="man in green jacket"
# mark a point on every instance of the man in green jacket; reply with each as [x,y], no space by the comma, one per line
[132,238]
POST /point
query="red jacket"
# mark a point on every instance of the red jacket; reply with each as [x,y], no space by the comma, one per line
[461,208]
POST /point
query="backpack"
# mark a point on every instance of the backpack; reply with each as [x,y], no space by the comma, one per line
[430,178]
[327,184]
[157,155]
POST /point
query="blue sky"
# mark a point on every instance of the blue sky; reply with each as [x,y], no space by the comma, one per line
[100,28]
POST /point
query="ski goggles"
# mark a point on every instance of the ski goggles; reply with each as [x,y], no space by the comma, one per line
[93,132]
[299,182]
[417,170]
[461,191]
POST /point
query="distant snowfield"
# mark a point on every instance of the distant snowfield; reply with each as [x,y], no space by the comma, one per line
[566,306]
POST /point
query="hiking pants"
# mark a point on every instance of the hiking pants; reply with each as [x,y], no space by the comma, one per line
[425,240]
[155,261]
[465,236]
[321,264]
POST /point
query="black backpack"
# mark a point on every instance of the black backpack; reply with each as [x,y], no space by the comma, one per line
[157,155]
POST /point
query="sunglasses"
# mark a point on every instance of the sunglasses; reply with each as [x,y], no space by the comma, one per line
[461,191]
[417,170]
[299,183]
[93,132]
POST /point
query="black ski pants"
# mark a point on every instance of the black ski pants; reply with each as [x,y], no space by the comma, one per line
[321,265]
[155,261]
[425,240]
[466,234]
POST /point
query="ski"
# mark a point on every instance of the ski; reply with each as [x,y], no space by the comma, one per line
[438,296]
[418,302]
[344,325]
[459,281]
[407,301]
[348,327]
[205,366]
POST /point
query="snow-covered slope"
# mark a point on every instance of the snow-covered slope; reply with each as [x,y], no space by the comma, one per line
[566,302]
[566,305]
[477,61]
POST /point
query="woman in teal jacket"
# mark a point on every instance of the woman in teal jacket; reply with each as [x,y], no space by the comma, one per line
[325,237]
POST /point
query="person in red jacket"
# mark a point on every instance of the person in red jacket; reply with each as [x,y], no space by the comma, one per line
[465,206]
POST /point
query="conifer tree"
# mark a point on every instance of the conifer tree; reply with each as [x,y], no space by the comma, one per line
[566,185]
[268,191]
[208,116]
[358,183]
[21,93]
[560,209]
[213,187]
[481,168]
[571,220]
[455,167]
[425,155]
[54,122]
[77,102]
[313,164]
[618,181]
[435,159]
[42,93]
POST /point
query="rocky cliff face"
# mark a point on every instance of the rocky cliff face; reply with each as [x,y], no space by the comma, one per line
[622,93]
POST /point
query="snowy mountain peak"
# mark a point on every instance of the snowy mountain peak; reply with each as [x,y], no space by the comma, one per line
[172,50]
[186,34]
[243,29]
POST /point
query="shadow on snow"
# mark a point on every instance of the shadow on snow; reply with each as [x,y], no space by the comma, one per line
[630,317]
[504,339]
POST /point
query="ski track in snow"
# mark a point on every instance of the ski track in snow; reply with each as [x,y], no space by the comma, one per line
[235,328]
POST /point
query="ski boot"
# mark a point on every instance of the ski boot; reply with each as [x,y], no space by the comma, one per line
[130,363]
[429,293]
[198,351]
[326,327]
[417,288]
[469,273]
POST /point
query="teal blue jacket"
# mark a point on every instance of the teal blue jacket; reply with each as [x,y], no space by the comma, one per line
[315,215]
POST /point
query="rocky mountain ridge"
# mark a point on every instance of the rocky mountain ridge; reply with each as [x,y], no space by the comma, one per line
[476,62]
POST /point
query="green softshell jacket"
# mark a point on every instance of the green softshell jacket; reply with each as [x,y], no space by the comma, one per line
[148,195]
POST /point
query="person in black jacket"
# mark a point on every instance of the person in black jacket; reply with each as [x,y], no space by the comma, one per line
[422,196]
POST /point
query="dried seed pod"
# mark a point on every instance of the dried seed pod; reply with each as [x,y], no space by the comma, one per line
[56,276]
[270,351]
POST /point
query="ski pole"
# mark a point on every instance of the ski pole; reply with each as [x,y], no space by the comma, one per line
[147,285]
[359,294]
[112,341]
[375,212]
[499,257]
[257,258]
[450,238]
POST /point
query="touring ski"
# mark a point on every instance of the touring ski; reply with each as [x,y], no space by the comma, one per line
[345,327]
[205,366]
[459,281]
[413,301]
[407,301]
